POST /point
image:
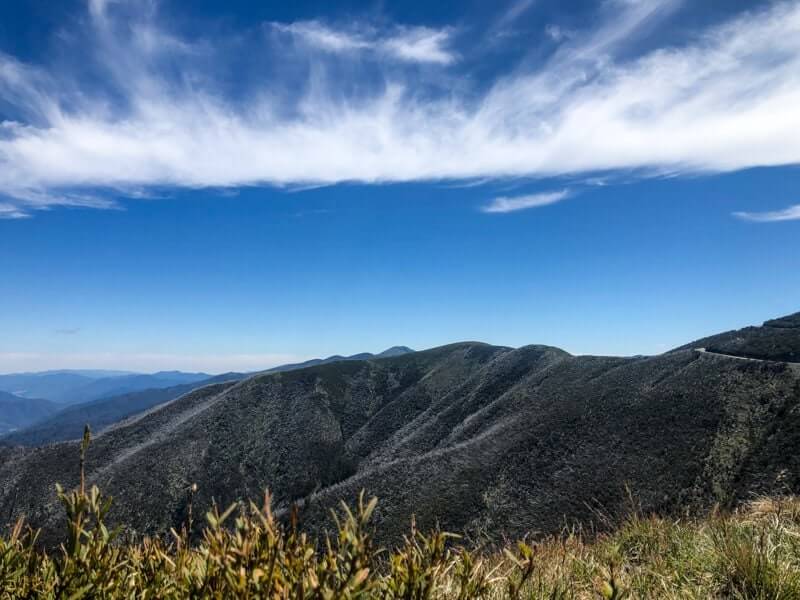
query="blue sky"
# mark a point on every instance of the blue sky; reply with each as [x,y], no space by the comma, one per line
[233,185]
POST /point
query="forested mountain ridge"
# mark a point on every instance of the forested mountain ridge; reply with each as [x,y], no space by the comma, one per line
[475,437]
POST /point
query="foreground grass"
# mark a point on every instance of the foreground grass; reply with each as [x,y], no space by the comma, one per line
[245,552]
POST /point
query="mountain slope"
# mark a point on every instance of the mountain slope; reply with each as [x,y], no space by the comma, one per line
[777,339]
[16,412]
[472,436]
[238,437]
[67,424]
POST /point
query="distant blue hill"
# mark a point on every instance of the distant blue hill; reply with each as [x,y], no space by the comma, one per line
[114,386]
[42,385]
[16,412]
[71,387]
[90,373]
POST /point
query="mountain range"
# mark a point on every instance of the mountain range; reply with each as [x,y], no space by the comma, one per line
[393,351]
[473,437]
[72,387]
[56,425]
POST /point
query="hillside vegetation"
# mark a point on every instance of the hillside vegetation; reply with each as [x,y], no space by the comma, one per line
[488,441]
[245,552]
[776,339]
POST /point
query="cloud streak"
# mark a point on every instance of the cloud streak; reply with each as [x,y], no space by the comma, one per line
[11,211]
[411,44]
[505,204]
[158,111]
[791,213]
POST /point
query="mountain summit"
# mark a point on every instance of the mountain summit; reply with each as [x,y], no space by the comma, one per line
[394,351]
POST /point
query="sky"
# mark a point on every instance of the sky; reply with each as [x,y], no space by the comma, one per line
[233,185]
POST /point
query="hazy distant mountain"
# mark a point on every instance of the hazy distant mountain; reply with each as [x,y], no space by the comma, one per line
[90,373]
[47,385]
[70,387]
[115,386]
[16,412]
[68,423]
[475,437]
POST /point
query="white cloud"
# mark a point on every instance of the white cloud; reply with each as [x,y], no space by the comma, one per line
[411,44]
[15,362]
[726,101]
[515,10]
[504,204]
[10,211]
[503,27]
[320,35]
[556,33]
[420,44]
[791,213]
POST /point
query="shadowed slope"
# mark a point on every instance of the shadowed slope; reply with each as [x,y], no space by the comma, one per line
[285,430]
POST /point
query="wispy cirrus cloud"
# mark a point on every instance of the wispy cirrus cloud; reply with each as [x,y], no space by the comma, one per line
[326,38]
[159,110]
[411,44]
[506,204]
[791,213]
[503,24]
[11,211]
